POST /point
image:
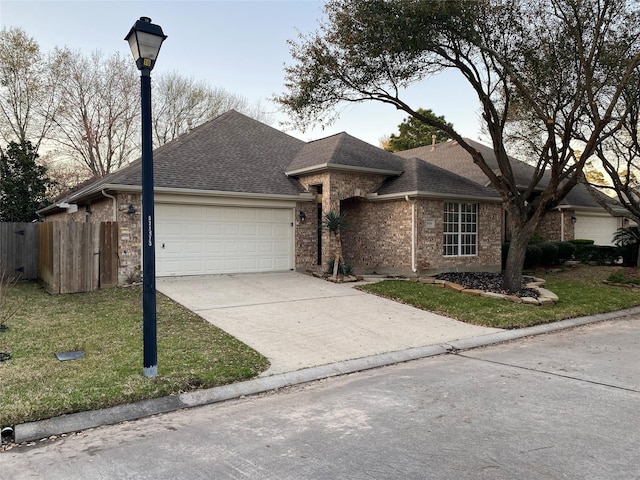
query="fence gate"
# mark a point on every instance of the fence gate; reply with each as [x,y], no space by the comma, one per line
[19,250]
[77,256]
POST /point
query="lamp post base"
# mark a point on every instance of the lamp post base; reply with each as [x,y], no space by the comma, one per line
[151,372]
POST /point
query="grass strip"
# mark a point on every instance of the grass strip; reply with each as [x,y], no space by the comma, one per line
[581,292]
[107,326]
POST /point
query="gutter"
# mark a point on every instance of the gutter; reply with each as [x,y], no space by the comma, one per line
[432,195]
[115,206]
[413,233]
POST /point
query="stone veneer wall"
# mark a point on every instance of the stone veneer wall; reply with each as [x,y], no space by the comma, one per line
[129,247]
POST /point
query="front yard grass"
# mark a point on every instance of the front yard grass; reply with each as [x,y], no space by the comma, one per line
[107,326]
[581,291]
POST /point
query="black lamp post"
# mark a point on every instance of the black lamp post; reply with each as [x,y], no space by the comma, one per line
[145,40]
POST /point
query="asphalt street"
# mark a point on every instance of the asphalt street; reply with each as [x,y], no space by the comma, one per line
[555,406]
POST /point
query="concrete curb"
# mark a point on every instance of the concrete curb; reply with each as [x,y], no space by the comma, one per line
[75,422]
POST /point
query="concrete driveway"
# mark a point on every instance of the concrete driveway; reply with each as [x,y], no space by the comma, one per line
[300,321]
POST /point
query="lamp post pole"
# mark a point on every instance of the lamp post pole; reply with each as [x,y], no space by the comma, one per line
[145,40]
[149,334]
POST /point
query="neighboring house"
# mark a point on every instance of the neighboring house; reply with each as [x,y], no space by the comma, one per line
[235,195]
[578,216]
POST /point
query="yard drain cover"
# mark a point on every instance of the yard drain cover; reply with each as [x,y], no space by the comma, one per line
[63,356]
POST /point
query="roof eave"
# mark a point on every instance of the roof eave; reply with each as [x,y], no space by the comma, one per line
[434,195]
[342,168]
[619,211]
[302,196]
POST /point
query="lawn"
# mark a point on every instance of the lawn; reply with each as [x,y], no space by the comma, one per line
[581,291]
[107,326]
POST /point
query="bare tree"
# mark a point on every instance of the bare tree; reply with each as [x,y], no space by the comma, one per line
[98,109]
[27,90]
[553,68]
[182,103]
[64,175]
[619,156]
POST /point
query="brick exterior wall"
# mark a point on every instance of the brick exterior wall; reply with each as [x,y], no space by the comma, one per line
[378,238]
[336,186]
[306,236]
[129,247]
[550,226]
[378,233]
[430,258]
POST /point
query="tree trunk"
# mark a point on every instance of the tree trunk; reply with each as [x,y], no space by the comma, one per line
[520,235]
[338,255]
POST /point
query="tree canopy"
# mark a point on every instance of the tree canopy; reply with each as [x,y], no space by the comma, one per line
[547,74]
[23,183]
[415,133]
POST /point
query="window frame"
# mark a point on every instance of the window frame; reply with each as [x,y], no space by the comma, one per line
[460,229]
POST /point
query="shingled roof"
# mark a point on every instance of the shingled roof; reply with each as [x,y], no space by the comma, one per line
[453,158]
[424,179]
[230,153]
[344,152]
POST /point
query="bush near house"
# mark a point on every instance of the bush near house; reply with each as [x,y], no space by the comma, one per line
[586,251]
[565,251]
[547,254]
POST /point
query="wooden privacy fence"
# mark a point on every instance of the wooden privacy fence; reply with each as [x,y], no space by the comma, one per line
[76,256]
[19,250]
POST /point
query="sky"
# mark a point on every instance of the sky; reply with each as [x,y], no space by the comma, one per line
[240,46]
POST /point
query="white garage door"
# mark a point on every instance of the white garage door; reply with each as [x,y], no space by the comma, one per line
[600,229]
[205,239]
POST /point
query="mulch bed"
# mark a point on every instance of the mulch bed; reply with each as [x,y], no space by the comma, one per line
[488,282]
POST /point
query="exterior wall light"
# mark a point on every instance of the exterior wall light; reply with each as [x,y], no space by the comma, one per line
[303,216]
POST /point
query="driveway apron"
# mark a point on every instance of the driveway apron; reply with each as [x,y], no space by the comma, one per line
[299,321]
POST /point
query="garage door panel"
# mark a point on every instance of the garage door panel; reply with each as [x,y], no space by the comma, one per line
[215,248]
[250,230]
[193,229]
[172,248]
[213,229]
[231,229]
[597,228]
[203,240]
[194,248]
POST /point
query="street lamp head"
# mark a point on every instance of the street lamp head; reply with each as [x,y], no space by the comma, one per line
[145,40]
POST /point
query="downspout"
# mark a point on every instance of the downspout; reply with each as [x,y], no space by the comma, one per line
[115,206]
[413,233]
[561,225]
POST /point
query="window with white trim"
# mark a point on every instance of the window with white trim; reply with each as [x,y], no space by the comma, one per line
[460,229]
